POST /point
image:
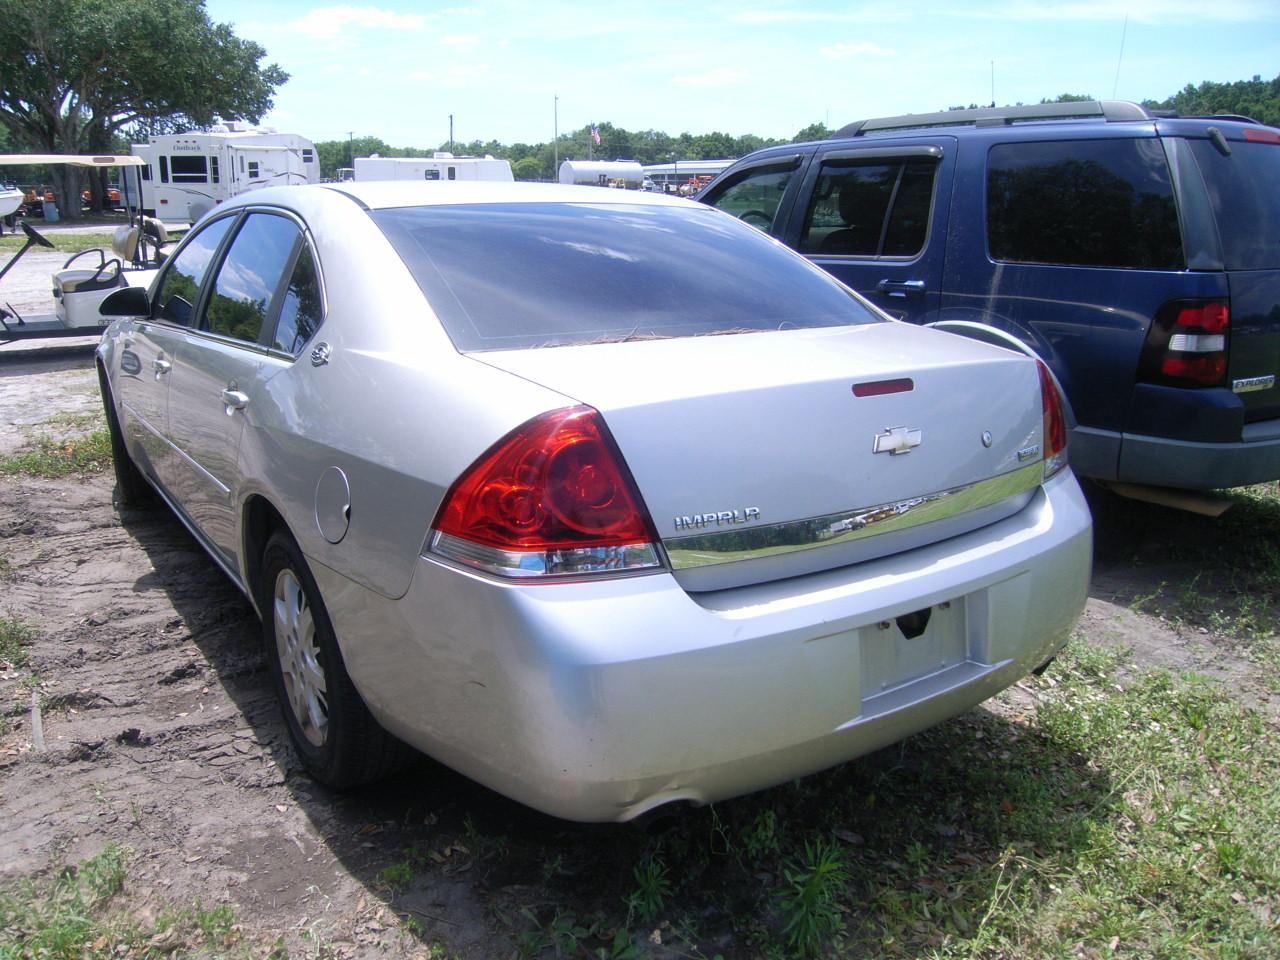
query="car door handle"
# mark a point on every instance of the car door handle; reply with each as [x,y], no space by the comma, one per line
[235,400]
[161,367]
[901,288]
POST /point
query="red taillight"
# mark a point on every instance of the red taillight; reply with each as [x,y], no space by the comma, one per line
[552,497]
[1208,368]
[1187,344]
[1212,317]
[1054,430]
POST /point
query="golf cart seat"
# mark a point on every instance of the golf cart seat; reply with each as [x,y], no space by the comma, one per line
[158,236]
[77,291]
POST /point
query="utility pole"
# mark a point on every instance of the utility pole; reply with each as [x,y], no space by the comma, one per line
[350,160]
[555,119]
[451,133]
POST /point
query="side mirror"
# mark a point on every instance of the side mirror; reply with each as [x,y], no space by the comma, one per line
[126,302]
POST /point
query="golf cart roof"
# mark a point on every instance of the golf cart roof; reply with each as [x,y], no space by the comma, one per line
[73,159]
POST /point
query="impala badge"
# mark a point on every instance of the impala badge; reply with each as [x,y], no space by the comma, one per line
[896,440]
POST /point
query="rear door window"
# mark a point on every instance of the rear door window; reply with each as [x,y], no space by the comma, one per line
[877,208]
[1244,190]
[302,308]
[250,275]
[1095,203]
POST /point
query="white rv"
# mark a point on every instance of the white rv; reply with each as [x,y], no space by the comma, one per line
[189,173]
[439,166]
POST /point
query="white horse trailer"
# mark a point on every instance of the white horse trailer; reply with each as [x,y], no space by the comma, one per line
[439,166]
[189,173]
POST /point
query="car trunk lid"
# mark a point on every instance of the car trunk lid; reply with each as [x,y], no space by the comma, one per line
[758,458]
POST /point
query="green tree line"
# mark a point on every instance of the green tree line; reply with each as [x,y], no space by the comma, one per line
[1255,98]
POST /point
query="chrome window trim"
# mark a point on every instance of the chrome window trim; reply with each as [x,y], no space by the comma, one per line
[727,546]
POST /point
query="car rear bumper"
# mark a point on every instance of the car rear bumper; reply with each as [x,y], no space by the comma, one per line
[1200,465]
[602,699]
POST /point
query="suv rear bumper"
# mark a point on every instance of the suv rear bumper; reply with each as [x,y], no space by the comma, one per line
[1187,464]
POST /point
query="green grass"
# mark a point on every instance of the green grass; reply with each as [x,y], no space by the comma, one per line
[52,458]
[1128,814]
[62,242]
[1220,575]
[85,912]
[15,639]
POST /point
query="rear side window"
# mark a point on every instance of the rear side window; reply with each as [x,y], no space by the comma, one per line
[514,276]
[250,275]
[302,308]
[870,209]
[1244,190]
[1095,203]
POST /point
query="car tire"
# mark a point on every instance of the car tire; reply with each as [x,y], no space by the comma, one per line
[132,489]
[338,740]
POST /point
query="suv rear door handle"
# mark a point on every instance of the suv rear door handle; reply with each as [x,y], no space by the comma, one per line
[901,288]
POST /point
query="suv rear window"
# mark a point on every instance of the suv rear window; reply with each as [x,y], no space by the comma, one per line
[870,209]
[1093,203]
[513,276]
[1246,201]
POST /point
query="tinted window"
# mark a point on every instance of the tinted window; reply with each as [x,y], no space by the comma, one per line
[164,169]
[250,275]
[213,169]
[301,311]
[529,275]
[1100,203]
[1246,201]
[180,288]
[876,209]
[755,198]
[188,169]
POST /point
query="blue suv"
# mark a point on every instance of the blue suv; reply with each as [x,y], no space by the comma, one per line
[1137,254]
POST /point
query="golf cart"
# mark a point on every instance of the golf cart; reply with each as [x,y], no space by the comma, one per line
[88,277]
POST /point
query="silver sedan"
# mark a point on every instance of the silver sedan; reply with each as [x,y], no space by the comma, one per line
[605,499]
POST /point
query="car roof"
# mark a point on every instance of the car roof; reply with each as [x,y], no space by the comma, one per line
[386,194]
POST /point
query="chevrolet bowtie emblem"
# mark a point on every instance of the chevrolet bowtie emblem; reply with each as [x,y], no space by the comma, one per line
[896,440]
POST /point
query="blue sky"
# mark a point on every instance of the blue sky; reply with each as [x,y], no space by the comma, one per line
[397,70]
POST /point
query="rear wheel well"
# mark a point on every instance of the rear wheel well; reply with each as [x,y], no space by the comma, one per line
[261,520]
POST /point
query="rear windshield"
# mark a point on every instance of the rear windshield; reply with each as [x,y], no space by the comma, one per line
[512,276]
[1244,189]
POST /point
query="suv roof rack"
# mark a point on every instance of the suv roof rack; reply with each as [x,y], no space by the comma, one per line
[1109,110]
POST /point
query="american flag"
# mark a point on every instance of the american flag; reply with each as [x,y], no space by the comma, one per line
[595,135]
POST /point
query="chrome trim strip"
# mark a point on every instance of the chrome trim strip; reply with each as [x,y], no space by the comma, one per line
[780,538]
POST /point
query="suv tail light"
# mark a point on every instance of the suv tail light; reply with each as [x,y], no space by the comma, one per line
[1187,344]
[1055,423]
[552,498]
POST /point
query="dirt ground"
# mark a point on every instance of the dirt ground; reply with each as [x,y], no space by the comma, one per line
[161,734]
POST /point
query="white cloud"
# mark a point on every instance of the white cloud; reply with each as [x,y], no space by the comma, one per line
[846,51]
[460,40]
[723,77]
[333,23]
[769,17]
[1139,11]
